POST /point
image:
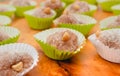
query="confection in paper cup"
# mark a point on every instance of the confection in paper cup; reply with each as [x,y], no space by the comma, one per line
[4,20]
[84,28]
[20,57]
[21,9]
[38,23]
[57,10]
[107,4]
[54,52]
[109,23]
[13,34]
[92,9]
[116,9]
[7,10]
[107,44]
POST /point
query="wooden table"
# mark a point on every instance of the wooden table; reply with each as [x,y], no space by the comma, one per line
[86,63]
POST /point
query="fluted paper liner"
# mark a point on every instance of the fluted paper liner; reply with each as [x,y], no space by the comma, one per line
[110,54]
[13,33]
[21,9]
[4,20]
[10,12]
[68,1]
[22,48]
[53,52]
[106,22]
[107,4]
[91,12]
[38,23]
[116,9]
[90,1]
[60,10]
[83,28]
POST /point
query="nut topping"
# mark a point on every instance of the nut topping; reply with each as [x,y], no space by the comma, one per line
[76,7]
[97,33]
[47,10]
[53,1]
[66,36]
[18,66]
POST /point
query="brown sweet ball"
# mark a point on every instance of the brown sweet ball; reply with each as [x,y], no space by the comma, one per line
[13,64]
[110,38]
[53,4]
[43,12]
[63,40]
[79,6]
[67,18]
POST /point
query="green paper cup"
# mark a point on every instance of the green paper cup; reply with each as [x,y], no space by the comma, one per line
[14,52]
[106,22]
[5,20]
[83,28]
[13,33]
[10,12]
[51,51]
[90,1]
[68,1]
[93,8]
[59,11]
[107,4]
[116,9]
[21,9]
[91,12]
[38,23]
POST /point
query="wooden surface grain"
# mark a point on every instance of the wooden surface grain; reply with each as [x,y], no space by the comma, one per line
[86,63]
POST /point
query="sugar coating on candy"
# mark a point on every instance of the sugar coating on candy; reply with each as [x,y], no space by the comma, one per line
[54,4]
[21,2]
[63,40]
[43,12]
[68,18]
[115,24]
[12,64]
[3,35]
[110,38]
[79,6]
